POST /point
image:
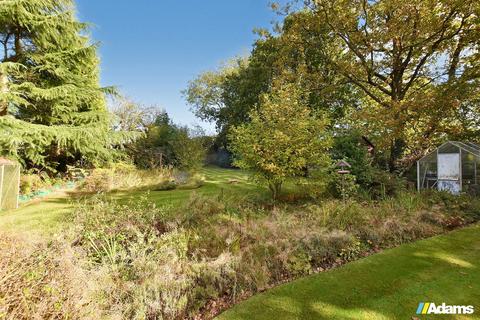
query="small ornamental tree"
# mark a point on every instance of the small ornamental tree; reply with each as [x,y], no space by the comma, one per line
[282,140]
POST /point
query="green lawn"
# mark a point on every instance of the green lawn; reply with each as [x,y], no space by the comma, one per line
[42,217]
[388,285]
[217,180]
[48,216]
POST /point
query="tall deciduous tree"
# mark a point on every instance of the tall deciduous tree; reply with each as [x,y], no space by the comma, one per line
[298,53]
[283,138]
[52,109]
[417,61]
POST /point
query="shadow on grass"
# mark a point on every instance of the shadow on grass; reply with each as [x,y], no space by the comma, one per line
[388,285]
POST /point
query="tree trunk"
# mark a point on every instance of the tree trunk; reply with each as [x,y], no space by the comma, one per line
[3,90]
[397,147]
[391,159]
[275,188]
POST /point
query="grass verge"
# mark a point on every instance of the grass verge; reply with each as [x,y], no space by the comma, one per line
[388,285]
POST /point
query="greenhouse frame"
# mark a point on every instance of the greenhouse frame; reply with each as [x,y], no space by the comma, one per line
[9,184]
[453,167]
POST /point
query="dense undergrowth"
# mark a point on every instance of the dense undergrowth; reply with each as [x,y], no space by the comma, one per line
[164,263]
[42,281]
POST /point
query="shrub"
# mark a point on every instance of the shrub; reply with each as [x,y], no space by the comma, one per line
[39,281]
[350,146]
[385,184]
[30,183]
[99,180]
[344,185]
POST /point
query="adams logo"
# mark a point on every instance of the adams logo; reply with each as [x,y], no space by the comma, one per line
[432,308]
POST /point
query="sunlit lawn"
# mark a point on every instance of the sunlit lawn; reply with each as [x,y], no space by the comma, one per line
[384,286]
[48,216]
[227,181]
[45,217]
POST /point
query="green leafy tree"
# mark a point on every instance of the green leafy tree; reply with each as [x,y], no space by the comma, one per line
[189,148]
[225,96]
[348,145]
[294,55]
[282,140]
[52,109]
[164,143]
[416,62]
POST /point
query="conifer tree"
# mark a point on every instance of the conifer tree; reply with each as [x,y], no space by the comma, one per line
[52,108]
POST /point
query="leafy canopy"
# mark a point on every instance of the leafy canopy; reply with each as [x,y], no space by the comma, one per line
[416,61]
[294,54]
[282,140]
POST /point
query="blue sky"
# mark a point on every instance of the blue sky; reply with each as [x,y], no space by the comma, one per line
[151,49]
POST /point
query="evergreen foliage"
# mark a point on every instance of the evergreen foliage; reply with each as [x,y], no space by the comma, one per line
[52,108]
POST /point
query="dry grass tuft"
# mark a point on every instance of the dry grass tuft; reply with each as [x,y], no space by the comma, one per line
[40,281]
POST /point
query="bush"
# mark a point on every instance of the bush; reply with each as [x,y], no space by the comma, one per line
[385,184]
[40,282]
[344,185]
[30,183]
[33,181]
[350,146]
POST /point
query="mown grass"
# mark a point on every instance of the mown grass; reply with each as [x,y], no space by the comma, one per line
[41,217]
[217,181]
[384,286]
[49,216]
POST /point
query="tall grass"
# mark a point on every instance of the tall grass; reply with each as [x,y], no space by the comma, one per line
[142,261]
[155,263]
[127,177]
[41,281]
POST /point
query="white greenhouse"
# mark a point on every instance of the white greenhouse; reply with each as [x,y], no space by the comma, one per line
[452,167]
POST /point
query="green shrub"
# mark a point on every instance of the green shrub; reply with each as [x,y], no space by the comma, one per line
[299,263]
[99,180]
[385,184]
[350,146]
[30,183]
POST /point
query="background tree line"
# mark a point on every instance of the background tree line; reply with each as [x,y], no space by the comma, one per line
[405,74]
[162,142]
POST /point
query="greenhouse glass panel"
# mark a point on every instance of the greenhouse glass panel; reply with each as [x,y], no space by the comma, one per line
[9,184]
[452,167]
